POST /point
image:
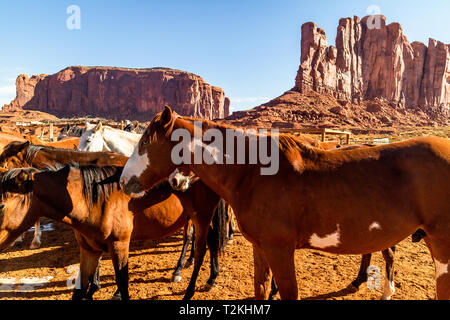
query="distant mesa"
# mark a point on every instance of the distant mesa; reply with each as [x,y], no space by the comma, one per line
[120,93]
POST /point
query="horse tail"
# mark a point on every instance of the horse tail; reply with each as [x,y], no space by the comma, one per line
[220,225]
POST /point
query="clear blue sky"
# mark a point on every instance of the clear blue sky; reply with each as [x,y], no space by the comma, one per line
[250,48]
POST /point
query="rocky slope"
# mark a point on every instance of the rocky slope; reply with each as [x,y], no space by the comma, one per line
[119,93]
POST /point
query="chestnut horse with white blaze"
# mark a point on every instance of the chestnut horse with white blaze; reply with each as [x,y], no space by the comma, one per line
[390,191]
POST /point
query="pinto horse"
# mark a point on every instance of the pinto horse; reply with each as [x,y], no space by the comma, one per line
[105,219]
[390,191]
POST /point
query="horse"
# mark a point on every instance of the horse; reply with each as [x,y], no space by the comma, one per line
[70,131]
[390,191]
[105,219]
[134,127]
[24,154]
[104,138]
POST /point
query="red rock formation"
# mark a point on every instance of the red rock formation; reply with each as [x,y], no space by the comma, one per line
[375,61]
[119,93]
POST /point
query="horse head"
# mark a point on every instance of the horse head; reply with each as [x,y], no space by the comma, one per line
[154,147]
[14,155]
[15,190]
[91,140]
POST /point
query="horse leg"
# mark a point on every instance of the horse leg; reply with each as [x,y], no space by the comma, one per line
[119,256]
[231,226]
[95,283]
[281,262]
[213,244]
[274,290]
[18,241]
[187,237]
[36,243]
[200,250]
[190,260]
[262,276]
[389,286]
[89,262]
[362,274]
[440,251]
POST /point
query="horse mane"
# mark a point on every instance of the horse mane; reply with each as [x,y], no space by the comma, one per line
[99,182]
[31,153]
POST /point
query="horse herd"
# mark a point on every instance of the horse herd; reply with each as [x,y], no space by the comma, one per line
[122,186]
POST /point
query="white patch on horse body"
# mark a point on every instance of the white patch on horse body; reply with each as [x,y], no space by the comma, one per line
[135,166]
[374,226]
[441,268]
[389,289]
[331,240]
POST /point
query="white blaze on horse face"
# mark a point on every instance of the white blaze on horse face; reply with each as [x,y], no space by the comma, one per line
[135,166]
[331,240]
[374,226]
[441,268]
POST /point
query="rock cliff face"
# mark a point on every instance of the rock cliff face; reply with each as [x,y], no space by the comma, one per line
[119,93]
[375,60]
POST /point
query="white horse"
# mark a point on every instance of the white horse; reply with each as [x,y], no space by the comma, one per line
[98,138]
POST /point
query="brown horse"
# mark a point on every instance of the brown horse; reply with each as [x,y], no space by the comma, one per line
[18,154]
[105,219]
[24,154]
[390,191]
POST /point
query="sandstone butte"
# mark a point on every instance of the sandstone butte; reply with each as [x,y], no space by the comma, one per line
[372,59]
[119,93]
[373,77]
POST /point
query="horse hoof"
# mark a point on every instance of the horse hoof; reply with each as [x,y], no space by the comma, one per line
[188,264]
[115,298]
[176,278]
[35,245]
[352,288]
[208,287]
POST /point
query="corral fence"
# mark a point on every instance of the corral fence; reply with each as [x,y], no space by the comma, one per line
[45,129]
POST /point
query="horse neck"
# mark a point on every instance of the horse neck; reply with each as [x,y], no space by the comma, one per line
[119,141]
[223,179]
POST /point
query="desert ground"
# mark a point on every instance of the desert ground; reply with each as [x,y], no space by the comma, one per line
[319,275]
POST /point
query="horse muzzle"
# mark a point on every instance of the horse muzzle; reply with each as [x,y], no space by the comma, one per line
[131,187]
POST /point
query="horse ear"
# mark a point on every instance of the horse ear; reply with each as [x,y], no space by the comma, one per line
[166,117]
[98,127]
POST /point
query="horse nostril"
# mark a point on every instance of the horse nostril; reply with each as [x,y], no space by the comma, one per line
[174,182]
